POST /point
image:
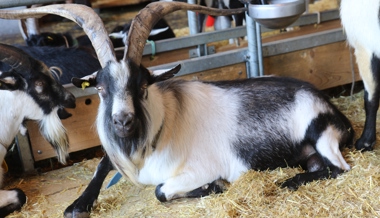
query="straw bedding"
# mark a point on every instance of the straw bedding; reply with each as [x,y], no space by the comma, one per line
[256,194]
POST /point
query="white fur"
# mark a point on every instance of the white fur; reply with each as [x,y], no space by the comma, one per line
[8,197]
[53,130]
[361,24]
[158,31]
[188,154]
[328,146]
[15,106]
[306,108]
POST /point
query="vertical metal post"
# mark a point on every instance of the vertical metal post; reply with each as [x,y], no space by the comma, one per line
[252,55]
[259,50]
[193,29]
[192,19]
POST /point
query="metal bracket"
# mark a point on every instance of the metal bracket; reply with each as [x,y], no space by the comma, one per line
[200,51]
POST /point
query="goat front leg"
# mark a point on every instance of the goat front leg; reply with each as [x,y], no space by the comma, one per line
[369,67]
[82,206]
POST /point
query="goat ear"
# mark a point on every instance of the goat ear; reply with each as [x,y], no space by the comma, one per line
[166,74]
[84,82]
[10,81]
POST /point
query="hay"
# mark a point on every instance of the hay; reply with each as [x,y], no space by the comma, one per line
[323,5]
[255,194]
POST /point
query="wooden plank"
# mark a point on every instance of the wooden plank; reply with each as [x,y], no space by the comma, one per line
[324,66]
[80,129]
[166,57]
[232,72]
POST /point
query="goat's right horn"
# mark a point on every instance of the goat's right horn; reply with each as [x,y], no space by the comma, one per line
[16,58]
[144,21]
[82,15]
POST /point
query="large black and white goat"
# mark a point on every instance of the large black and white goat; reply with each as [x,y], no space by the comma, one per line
[28,91]
[186,137]
[361,22]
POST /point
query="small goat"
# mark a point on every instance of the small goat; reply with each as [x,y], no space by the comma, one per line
[361,22]
[186,137]
[160,31]
[65,63]
[118,36]
[67,57]
[28,91]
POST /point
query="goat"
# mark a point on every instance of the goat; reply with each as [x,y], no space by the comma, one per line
[187,137]
[360,20]
[32,37]
[160,31]
[64,62]
[28,91]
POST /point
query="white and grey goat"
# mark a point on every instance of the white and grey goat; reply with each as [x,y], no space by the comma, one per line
[186,137]
[361,22]
[28,91]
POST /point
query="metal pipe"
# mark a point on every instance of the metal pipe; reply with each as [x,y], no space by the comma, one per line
[259,50]
[192,19]
[252,54]
[16,3]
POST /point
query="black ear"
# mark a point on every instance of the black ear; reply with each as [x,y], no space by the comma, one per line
[87,81]
[167,74]
[10,81]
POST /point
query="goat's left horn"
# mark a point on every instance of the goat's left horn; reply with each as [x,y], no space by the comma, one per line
[144,21]
[82,15]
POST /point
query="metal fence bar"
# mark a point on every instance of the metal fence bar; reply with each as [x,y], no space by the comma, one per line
[303,42]
[207,37]
[16,3]
[269,49]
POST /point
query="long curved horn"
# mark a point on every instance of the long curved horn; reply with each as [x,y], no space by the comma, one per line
[82,15]
[16,58]
[144,21]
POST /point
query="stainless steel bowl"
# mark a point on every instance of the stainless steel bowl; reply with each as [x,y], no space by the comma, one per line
[278,13]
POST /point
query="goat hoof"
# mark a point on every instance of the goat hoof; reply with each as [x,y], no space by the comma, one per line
[364,145]
[160,195]
[290,184]
[77,210]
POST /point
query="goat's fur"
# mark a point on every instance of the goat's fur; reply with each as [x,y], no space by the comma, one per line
[361,22]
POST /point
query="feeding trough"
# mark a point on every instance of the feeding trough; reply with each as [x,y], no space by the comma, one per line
[277,14]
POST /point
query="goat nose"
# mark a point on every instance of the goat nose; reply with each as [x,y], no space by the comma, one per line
[123,120]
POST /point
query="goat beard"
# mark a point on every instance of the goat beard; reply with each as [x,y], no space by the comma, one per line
[54,132]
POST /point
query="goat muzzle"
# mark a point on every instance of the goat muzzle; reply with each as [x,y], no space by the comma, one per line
[123,124]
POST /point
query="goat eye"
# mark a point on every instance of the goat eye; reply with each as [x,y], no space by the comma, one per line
[144,87]
[99,88]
